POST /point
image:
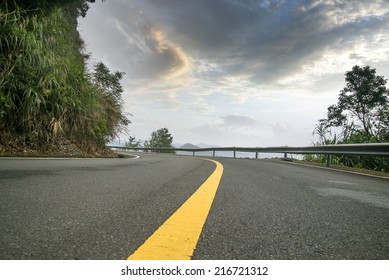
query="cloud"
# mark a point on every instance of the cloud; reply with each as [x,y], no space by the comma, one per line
[175,61]
[238,121]
[266,42]
[240,130]
[131,41]
[224,59]
[304,36]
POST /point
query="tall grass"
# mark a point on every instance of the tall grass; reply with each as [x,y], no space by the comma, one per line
[45,91]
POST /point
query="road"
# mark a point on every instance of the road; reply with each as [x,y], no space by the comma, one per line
[277,210]
[263,209]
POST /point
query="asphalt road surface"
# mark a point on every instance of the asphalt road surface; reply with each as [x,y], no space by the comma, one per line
[263,209]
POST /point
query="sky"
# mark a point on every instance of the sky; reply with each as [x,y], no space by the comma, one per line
[253,73]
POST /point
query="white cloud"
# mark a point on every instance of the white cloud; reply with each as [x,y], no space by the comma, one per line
[237,130]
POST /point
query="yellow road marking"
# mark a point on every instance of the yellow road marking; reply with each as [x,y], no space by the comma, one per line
[177,237]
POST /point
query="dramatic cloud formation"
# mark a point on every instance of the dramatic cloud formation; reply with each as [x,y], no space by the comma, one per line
[219,71]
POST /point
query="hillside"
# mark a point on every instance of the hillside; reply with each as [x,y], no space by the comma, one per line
[49,102]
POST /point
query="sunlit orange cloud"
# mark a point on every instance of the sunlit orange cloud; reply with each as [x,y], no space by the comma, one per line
[182,64]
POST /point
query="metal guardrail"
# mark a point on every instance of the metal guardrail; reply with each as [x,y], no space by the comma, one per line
[368,149]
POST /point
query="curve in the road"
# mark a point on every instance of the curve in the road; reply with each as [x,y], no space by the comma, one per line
[177,237]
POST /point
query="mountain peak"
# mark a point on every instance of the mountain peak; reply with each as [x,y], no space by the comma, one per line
[189,146]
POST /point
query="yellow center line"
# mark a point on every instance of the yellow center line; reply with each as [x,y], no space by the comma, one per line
[177,237]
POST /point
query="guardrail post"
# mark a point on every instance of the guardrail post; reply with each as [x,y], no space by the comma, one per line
[256,155]
[194,152]
[213,153]
[329,160]
[285,155]
[234,154]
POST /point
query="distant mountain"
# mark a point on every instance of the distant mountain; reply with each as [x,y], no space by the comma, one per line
[202,145]
[189,146]
[177,145]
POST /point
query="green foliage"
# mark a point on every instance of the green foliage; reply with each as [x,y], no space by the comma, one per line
[45,91]
[362,112]
[47,6]
[363,104]
[324,132]
[160,139]
[110,91]
[132,142]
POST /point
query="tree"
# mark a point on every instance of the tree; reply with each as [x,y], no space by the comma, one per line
[108,84]
[160,139]
[362,105]
[362,112]
[133,142]
[324,133]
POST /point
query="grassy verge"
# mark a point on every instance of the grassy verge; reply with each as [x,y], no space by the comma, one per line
[344,168]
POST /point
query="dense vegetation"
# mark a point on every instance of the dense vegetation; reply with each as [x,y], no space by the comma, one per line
[361,115]
[160,138]
[46,94]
